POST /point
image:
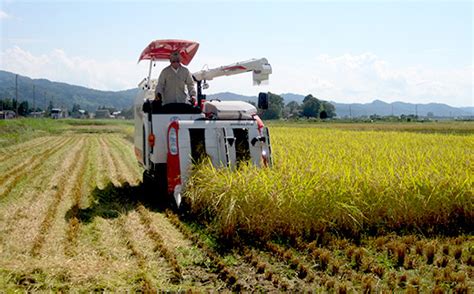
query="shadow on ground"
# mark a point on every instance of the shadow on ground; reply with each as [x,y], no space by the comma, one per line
[112,201]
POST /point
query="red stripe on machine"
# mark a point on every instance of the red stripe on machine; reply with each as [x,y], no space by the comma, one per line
[260,124]
[235,67]
[173,168]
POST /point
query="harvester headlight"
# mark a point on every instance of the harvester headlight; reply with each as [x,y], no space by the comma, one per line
[177,195]
[173,141]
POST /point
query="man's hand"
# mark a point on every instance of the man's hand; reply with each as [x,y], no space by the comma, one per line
[193,100]
[158,96]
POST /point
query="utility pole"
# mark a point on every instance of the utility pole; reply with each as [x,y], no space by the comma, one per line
[34,109]
[350,112]
[16,93]
[416,110]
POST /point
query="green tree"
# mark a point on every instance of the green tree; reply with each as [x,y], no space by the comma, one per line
[311,106]
[75,108]
[327,110]
[291,109]
[6,104]
[275,107]
[23,108]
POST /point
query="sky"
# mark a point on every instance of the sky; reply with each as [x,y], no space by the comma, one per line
[342,51]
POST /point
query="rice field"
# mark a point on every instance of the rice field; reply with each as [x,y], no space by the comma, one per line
[344,209]
[344,182]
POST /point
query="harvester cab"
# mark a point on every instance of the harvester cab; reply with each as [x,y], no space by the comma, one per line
[170,138]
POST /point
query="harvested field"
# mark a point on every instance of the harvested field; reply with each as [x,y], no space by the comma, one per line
[74,216]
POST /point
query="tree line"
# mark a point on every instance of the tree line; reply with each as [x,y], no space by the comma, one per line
[311,107]
[25,109]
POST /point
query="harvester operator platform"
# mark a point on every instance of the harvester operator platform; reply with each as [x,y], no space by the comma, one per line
[173,81]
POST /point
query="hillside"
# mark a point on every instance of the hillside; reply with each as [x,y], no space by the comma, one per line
[382,108]
[231,96]
[61,94]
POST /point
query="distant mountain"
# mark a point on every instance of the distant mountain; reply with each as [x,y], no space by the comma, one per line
[288,97]
[382,108]
[62,94]
[231,97]
[398,108]
[65,95]
[468,109]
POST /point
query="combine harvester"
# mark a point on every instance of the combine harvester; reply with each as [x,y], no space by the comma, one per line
[170,138]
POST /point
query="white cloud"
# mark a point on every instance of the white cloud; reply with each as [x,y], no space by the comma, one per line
[365,77]
[59,66]
[346,78]
[4,15]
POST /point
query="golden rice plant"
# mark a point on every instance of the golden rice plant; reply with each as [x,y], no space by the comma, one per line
[341,181]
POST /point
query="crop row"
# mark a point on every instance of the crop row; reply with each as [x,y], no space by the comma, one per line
[13,176]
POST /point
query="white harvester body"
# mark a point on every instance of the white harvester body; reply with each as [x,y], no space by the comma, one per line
[170,138]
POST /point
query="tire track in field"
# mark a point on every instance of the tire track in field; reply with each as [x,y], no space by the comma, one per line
[169,255]
[53,207]
[38,160]
[115,176]
[126,174]
[72,230]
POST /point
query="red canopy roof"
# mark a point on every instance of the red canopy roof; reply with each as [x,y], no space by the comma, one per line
[162,49]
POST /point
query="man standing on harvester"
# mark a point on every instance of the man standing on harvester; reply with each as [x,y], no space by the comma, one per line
[169,139]
[172,83]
